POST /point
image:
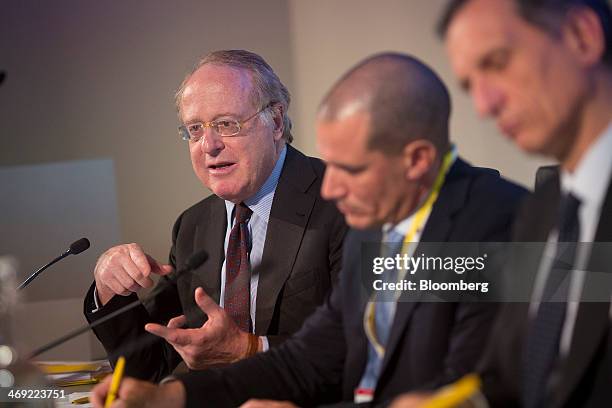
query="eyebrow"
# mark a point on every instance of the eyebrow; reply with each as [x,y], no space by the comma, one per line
[220,115]
[487,61]
[354,168]
[490,58]
[215,118]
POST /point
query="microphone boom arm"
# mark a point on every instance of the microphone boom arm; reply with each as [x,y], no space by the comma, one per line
[35,274]
[192,263]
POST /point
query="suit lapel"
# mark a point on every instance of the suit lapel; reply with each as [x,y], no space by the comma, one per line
[356,285]
[289,216]
[450,200]
[604,228]
[367,244]
[539,215]
[210,233]
[592,320]
[591,325]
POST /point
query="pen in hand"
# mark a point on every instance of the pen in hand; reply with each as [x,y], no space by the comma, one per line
[115,382]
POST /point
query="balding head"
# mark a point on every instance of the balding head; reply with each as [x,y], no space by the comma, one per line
[404,98]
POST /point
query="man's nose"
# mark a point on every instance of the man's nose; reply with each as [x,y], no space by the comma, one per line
[332,187]
[488,98]
[211,143]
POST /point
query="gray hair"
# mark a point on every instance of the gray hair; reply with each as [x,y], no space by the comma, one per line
[267,87]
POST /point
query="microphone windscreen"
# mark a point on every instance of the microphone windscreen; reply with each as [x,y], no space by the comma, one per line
[79,246]
[196,260]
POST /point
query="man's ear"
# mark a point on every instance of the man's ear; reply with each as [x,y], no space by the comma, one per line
[277,118]
[419,157]
[584,35]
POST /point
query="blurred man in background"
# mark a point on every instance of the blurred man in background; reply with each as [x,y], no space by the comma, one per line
[543,71]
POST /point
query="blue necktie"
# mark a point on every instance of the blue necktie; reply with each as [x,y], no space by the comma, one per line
[384,312]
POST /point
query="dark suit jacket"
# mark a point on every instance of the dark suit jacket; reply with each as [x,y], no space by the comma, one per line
[430,343]
[300,261]
[585,378]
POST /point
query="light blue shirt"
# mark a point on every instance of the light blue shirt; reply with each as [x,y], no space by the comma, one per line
[393,236]
[260,204]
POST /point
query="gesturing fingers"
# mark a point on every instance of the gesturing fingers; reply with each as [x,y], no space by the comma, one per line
[124,269]
[138,275]
[206,303]
[177,322]
[174,336]
[159,268]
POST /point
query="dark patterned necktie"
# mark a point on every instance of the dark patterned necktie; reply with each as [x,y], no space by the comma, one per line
[238,271]
[542,344]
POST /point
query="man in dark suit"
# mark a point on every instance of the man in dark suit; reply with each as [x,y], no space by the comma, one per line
[543,70]
[383,132]
[273,244]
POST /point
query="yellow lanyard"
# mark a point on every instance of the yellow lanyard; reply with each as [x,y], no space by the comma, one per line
[415,226]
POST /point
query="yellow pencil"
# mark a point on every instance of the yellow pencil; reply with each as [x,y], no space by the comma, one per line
[456,393]
[115,382]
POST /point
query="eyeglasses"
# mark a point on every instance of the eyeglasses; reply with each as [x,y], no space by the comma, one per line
[224,127]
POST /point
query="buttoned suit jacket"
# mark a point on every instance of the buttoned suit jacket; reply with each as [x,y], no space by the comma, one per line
[429,344]
[584,378]
[300,262]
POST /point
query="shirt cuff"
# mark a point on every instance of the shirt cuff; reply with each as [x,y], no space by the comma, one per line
[96,300]
[265,344]
[168,379]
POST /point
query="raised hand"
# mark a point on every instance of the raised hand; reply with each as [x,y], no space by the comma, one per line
[125,269]
[218,341]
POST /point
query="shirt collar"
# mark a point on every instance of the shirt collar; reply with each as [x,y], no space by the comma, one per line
[261,202]
[590,179]
[398,230]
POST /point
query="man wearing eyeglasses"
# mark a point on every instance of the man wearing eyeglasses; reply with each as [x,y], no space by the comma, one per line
[273,244]
[391,169]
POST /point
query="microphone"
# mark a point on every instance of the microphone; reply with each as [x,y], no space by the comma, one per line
[75,248]
[192,263]
[78,246]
